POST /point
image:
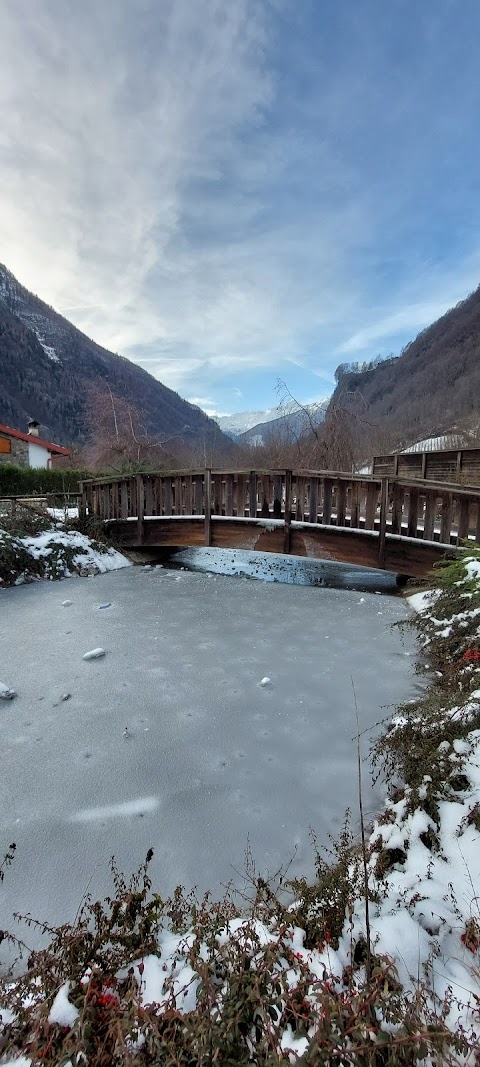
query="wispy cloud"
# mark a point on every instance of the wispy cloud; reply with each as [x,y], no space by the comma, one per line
[230,193]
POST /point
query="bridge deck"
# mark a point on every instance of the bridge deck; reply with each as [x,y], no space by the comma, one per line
[397,525]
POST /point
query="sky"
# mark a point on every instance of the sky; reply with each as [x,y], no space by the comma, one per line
[236,192]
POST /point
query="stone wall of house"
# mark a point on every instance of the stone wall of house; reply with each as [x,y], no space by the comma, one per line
[18,454]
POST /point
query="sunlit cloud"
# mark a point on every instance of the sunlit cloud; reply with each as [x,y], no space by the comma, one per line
[232,193]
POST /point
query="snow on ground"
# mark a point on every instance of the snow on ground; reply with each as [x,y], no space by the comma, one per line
[60,514]
[55,553]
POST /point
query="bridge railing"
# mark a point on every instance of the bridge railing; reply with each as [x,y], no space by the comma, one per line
[386,506]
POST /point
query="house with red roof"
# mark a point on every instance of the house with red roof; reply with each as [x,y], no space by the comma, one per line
[29,449]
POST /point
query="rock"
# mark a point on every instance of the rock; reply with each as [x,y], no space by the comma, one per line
[6,693]
[95,653]
[265,681]
[107,605]
[65,696]
[66,603]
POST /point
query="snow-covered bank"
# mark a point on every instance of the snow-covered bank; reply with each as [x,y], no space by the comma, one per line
[54,553]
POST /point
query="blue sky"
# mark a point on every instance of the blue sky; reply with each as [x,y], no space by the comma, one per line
[233,193]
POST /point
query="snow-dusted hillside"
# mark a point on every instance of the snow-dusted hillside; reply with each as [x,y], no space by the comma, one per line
[287,419]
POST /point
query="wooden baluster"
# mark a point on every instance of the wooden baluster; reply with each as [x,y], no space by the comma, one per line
[341,501]
[477,527]
[208,506]
[149,495]
[167,496]
[412,521]
[266,496]
[199,494]
[277,496]
[140,508]
[371,505]
[241,504]
[177,496]
[300,498]
[327,502]
[82,503]
[106,509]
[188,494]
[252,495]
[124,500]
[288,512]
[382,531]
[354,506]
[217,494]
[446,520]
[463,520]
[429,521]
[229,494]
[313,500]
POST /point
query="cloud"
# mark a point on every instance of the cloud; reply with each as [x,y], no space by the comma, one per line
[224,192]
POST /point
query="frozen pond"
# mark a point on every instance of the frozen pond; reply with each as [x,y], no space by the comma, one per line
[211,761]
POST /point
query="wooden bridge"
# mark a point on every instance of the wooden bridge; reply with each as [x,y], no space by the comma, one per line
[388,522]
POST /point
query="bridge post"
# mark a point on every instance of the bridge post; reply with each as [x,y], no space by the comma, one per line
[288,512]
[382,533]
[208,506]
[82,502]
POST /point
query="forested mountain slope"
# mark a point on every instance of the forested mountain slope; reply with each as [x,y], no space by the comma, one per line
[48,370]
[433,386]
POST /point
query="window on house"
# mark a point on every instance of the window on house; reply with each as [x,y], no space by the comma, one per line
[5,445]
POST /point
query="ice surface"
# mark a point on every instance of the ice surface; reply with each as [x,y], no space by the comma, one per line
[212,762]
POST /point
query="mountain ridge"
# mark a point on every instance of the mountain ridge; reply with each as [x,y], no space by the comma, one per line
[432,387]
[48,367]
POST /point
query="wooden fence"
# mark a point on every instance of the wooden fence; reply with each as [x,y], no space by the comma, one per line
[460,466]
[395,507]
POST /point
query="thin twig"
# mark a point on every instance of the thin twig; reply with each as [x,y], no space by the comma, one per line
[368,962]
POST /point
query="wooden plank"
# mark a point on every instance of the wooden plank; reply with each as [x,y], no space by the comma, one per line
[327,502]
[188,494]
[252,495]
[313,499]
[412,519]
[382,531]
[241,502]
[463,520]
[397,508]
[477,527]
[371,505]
[341,502]
[106,510]
[446,520]
[277,496]
[354,505]
[167,496]
[124,500]
[288,512]
[208,507]
[229,494]
[140,491]
[198,493]
[429,520]
[265,496]
[217,486]
[148,496]
[300,498]
[177,496]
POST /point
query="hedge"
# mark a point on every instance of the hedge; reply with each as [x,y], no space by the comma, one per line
[37,481]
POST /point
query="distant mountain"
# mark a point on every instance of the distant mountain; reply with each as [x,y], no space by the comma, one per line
[287,420]
[431,388]
[288,426]
[48,370]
